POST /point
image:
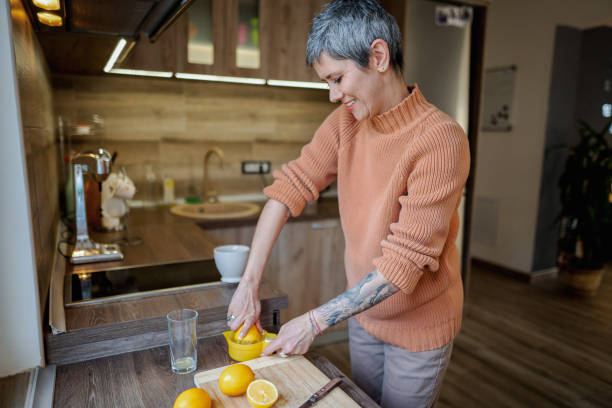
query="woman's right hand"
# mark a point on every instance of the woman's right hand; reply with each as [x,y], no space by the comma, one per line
[245,307]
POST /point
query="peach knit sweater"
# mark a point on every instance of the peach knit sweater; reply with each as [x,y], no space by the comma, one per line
[400,178]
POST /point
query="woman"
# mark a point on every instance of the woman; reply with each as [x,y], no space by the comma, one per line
[401,165]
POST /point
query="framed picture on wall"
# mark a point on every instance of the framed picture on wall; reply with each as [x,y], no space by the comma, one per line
[498,94]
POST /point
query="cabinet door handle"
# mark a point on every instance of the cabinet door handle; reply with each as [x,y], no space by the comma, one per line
[324,224]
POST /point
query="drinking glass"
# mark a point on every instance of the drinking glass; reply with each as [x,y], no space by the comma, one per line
[182,326]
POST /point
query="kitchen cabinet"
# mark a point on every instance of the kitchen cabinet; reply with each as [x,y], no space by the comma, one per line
[157,56]
[222,37]
[243,38]
[306,263]
[285,38]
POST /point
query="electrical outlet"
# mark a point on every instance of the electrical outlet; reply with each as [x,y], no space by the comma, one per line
[255,167]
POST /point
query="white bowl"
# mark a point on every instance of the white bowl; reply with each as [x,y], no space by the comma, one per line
[231,261]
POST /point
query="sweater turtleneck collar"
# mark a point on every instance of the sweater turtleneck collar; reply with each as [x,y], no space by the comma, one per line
[403,114]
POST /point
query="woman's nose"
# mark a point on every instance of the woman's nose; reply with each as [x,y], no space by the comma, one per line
[334,93]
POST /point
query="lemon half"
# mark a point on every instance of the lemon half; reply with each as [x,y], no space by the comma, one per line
[262,394]
[235,379]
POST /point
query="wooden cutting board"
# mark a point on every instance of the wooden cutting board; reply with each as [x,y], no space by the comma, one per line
[295,377]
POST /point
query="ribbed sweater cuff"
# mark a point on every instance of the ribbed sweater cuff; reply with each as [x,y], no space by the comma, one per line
[401,272]
[279,191]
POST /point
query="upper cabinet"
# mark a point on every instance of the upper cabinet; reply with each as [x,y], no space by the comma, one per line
[245,38]
[222,37]
[286,31]
[157,56]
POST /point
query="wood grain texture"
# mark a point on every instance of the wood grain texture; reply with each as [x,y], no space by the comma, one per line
[170,124]
[95,331]
[157,56]
[525,345]
[286,39]
[36,106]
[166,239]
[295,378]
[144,378]
[14,389]
[306,263]
[76,53]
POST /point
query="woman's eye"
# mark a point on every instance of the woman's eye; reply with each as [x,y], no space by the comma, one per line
[337,80]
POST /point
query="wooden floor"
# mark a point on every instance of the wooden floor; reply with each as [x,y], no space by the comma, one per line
[525,345]
[13,390]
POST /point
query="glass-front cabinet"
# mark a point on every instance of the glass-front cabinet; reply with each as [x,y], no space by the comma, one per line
[200,47]
[248,54]
[243,38]
[222,37]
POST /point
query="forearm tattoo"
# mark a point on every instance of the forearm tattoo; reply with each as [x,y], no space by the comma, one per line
[369,291]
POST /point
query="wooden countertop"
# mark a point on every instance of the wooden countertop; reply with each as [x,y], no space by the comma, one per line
[168,239]
[106,329]
[322,208]
[144,378]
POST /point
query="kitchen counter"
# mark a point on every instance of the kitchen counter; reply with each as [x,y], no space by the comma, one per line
[144,378]
[320,209]
[167,238]
[106,329]
[125,325]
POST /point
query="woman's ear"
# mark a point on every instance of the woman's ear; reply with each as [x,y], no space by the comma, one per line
[379,55]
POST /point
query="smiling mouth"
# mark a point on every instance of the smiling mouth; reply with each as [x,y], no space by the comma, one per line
[349,104]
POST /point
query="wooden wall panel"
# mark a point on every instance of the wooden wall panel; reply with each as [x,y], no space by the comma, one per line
[36,105]
[170,124]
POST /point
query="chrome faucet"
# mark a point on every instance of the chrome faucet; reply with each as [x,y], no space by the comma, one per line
[208,190]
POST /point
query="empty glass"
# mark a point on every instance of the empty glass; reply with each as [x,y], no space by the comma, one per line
[182,326]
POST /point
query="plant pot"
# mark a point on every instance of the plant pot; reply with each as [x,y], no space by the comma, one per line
[581,282]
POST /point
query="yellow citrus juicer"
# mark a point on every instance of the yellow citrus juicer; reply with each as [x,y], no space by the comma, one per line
[244,352]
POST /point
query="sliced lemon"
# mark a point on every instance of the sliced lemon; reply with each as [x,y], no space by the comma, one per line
[262,394]
[235,379]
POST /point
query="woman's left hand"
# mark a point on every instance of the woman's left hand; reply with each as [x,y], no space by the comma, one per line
[294,337]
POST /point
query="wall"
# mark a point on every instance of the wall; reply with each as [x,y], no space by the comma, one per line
[36,102]
[169,124]
[509,164]
[20,317]
[560,129]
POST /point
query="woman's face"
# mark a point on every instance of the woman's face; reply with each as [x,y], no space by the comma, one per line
[355,87]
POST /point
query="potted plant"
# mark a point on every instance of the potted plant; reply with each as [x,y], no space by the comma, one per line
[586,212]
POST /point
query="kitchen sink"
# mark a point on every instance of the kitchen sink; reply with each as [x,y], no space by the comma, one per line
[216,211]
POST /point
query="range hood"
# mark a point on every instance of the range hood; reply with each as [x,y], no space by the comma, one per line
[130,19]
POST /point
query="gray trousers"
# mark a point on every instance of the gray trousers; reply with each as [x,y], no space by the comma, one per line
[395,377]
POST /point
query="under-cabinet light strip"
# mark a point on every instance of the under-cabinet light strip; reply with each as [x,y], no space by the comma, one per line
[113,58]
[218,78]
[141,72]
[298,84]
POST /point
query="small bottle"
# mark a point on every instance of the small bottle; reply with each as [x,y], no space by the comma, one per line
[151,199]
[169,191]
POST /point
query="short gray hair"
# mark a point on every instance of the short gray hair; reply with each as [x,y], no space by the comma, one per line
[345,29]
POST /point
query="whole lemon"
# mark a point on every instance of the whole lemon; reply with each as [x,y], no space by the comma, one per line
[235,379]
[252,336]
[192,398]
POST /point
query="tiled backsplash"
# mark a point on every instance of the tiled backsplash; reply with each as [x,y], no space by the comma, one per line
[170,124]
